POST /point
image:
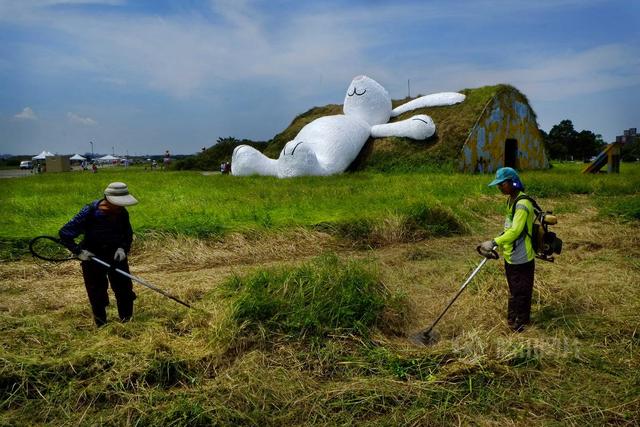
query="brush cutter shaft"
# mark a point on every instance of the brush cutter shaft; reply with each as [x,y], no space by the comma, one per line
[472,275]
[142,282]
[464,285]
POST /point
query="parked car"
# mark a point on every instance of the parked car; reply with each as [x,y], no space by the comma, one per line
[26,164]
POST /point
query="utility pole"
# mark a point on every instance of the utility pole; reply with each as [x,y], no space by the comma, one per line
[408,88]
[113,151]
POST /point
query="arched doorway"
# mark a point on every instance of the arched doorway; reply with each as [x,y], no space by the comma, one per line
[511,153]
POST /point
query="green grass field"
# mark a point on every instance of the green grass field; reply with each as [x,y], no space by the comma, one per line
[304,291]
[193,204]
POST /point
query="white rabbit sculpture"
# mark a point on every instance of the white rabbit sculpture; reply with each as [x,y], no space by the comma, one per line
[328,145]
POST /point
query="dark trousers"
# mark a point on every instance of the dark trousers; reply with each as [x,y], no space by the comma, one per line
[520,280]
[96,280]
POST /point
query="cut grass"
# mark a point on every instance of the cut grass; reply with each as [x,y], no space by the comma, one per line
[311,363]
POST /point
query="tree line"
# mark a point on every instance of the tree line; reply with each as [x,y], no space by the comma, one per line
[210,158]
[563,142]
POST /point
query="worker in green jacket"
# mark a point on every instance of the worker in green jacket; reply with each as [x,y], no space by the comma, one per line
[517,248]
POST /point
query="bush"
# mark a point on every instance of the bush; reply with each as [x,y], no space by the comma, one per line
[627,207]
[211,158]
[434,220]
[323,297]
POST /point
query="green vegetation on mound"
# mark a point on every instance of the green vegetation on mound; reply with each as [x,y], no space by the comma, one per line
[453,124]
[440,152]
[211,158]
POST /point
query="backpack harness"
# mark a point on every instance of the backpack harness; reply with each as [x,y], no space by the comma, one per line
[545,243]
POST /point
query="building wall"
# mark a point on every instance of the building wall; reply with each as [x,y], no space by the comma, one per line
[508,116]
[58,164]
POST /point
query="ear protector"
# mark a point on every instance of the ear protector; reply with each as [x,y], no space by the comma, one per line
[517,184]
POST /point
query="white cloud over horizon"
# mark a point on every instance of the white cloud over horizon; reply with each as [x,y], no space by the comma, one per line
[26,114]
[76,119]
[228,57]
[184,54]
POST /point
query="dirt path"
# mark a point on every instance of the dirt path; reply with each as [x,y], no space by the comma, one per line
[15,173]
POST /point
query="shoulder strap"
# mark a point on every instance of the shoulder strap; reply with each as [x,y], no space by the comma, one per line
[536,210]
[536,207]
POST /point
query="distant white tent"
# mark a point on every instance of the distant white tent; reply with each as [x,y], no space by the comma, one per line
[43,155]
[77,157]
[107,159]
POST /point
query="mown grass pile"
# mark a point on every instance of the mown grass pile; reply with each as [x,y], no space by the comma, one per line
[51,368]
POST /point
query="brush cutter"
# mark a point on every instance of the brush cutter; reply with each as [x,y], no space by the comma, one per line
[426,336]
[51,249]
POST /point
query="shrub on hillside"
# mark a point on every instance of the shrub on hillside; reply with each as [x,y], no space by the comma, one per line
[211,158]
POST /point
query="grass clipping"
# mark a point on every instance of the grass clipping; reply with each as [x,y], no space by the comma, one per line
[324,297]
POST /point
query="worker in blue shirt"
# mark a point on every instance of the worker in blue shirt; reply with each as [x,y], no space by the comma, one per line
[108,235]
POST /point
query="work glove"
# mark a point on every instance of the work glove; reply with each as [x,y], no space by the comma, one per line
[85,255]
[119,255]
[486,247]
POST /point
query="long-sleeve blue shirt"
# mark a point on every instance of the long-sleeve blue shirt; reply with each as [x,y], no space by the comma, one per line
[103,233]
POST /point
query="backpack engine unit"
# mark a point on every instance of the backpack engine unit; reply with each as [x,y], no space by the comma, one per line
[545,243]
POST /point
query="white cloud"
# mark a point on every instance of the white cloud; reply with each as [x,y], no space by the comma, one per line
[87,121]
[26,114]
[304,54]
[547,77]
[184,54]
[113,81]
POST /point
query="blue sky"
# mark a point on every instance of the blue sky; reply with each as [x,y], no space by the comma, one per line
[141,77]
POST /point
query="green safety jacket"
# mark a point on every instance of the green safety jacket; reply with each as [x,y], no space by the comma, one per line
[516,245]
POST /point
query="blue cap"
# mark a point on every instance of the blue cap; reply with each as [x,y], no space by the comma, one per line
[504,174]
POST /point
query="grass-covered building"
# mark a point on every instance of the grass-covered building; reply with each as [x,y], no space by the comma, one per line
[495,126]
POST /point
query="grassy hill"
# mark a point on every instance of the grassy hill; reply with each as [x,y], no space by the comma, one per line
[453,124]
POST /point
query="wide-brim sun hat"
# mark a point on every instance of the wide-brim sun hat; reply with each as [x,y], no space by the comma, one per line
[504,174]
[117,193]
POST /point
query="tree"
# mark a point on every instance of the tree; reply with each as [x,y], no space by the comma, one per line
[565,143]
[211,158]
[587,145]
[561,137]
[631,150]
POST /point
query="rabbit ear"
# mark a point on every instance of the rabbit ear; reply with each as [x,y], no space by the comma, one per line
[433,100]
